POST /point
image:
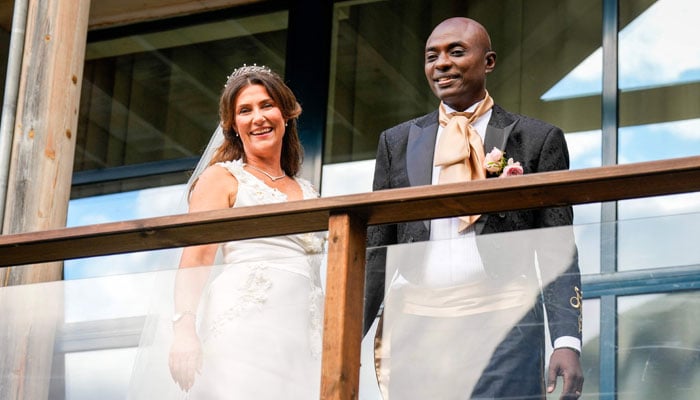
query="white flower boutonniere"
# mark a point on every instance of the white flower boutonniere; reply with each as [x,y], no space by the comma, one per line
[497,164]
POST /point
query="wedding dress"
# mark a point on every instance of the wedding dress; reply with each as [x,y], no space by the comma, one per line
[261,316]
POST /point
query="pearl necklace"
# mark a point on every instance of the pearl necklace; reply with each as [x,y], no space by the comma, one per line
[272,178]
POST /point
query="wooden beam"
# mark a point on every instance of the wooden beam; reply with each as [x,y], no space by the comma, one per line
[47,117]
[40,173]
[680,175]
[112,13]
[340,376]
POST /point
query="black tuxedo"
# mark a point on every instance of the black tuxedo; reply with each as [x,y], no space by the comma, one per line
[405,158]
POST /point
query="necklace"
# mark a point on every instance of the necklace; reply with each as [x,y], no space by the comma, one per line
[272,178]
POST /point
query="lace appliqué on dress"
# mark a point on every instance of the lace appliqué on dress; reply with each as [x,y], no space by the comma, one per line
[313,244]
[253,293]
[262,193]
[316,297]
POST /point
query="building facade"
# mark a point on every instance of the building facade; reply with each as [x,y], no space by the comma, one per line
[620,77]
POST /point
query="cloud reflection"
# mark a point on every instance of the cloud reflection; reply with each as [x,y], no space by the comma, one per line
[658,48]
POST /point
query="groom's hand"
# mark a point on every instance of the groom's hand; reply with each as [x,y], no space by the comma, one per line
[565,362]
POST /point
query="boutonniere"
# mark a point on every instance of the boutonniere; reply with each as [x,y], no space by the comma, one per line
[497,164]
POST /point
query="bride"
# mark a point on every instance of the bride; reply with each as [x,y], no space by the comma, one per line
[254,330]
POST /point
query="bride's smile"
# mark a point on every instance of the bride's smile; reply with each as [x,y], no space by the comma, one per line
[259,122]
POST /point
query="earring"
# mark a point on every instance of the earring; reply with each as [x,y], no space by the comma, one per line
[286,123]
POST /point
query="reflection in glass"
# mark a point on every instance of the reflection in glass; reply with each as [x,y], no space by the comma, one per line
[153,96]
[668,241]
[590,353]
[102,374]
[650,33]
[659,141]
[659,346]
[124,206]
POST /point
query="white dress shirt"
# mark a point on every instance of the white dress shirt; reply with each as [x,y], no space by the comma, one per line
[452,258]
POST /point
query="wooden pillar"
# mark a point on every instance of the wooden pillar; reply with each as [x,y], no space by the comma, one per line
[38,188]
[41,165]
[342,335]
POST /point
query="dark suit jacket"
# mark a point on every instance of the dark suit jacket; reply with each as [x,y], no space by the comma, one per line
[405,158]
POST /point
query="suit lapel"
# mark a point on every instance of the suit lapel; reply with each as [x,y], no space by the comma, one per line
[499,128]
[497,131]
[420,151]
[496,137]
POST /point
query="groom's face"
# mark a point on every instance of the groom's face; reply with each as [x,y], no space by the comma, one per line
[457,59]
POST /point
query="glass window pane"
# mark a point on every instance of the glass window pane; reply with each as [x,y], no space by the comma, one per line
[124,206]
[102,374]
[659,119]
[377,79]
[438,293]
[659,351]
[590,353]
[665,241]
[659,80]
[153,96]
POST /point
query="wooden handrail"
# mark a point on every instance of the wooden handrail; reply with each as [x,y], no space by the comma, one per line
[346,219]
[617,182]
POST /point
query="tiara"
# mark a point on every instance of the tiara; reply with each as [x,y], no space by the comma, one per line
[249,69]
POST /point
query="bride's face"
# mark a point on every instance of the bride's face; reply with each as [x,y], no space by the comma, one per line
[259,122]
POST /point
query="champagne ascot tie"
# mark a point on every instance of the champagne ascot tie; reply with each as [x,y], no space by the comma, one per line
[460,150]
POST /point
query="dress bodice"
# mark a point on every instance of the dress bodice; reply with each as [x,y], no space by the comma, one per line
[281,249]
[259,320]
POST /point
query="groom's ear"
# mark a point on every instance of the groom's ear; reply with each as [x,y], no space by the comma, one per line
[490,59]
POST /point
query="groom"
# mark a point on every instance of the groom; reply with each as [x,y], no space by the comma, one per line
[423,151]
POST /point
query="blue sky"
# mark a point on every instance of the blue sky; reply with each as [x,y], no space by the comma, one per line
[658,48]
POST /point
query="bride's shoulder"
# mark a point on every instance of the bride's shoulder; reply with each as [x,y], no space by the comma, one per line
[307,188]
[233,167]
[220,169]
[213,189]
[215,174]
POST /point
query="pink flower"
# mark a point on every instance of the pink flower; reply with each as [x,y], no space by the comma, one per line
[494,161]
[512,169]
[496,164]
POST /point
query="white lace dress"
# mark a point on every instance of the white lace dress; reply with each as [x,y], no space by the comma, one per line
[261,317]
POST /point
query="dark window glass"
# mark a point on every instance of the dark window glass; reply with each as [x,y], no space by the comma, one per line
[153,97]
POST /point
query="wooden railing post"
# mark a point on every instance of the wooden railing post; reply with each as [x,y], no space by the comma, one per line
[342,335]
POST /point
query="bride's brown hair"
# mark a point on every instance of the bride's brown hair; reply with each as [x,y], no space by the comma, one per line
[232,148]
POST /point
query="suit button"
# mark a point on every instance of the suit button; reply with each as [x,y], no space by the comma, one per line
[502,215]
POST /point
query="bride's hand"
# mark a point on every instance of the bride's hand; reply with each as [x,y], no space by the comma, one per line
[185,357]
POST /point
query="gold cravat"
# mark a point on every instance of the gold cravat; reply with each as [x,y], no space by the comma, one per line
[460,150]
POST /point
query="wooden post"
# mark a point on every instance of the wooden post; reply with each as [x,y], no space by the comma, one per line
[39,184]
[342,335]
[47,118]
